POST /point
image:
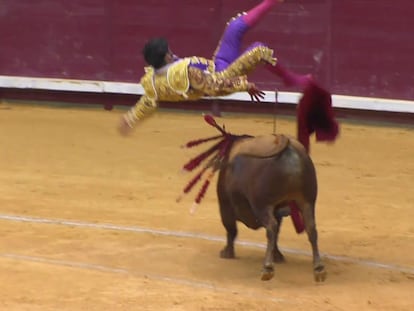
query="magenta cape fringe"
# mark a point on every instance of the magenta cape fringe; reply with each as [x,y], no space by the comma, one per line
[315,115]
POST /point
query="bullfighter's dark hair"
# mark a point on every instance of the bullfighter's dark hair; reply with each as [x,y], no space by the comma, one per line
[154,52]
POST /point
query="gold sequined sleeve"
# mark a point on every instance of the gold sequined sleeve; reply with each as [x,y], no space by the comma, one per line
[142,109]
[215,84]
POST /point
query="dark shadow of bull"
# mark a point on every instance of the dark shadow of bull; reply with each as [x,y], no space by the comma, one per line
[261,180]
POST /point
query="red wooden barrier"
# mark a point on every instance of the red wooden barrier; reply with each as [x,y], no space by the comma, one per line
[354,47]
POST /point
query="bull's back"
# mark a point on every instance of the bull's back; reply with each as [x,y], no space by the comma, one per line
[288,174]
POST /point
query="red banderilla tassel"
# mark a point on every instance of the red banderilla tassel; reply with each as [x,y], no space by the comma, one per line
[204,188]
[193,181]
[197,142]
[210,120]
[195,162]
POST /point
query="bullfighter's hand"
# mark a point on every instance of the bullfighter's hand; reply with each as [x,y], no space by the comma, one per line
[123,127]
[255,93]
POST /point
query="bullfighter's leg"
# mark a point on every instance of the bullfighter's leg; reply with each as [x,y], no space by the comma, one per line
[229,46]
[230,61]
[289,77]
[310,227]
[228,218]
[254,15]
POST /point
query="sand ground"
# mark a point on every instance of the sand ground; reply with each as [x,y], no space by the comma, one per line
[65,172]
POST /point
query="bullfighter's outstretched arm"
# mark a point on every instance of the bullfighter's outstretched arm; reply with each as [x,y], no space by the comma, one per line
[144,107]
[215,84]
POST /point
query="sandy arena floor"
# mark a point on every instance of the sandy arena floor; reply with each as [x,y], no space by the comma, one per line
[89,219]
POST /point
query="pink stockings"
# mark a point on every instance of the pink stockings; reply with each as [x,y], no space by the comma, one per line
[254,15]
[288,77]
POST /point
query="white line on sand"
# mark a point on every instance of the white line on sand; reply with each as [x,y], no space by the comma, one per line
[168,279]
[200,236]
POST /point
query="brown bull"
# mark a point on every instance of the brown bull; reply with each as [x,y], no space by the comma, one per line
[261,179]
[257,184]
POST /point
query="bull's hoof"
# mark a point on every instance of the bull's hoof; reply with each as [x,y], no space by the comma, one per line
[319,273]
[227,253]
[267,273]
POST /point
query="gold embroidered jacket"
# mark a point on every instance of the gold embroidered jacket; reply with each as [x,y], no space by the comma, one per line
[192,78]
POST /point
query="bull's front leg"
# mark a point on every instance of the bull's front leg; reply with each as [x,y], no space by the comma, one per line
[271,225]
[228,218]
[268,264]
[228,251]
